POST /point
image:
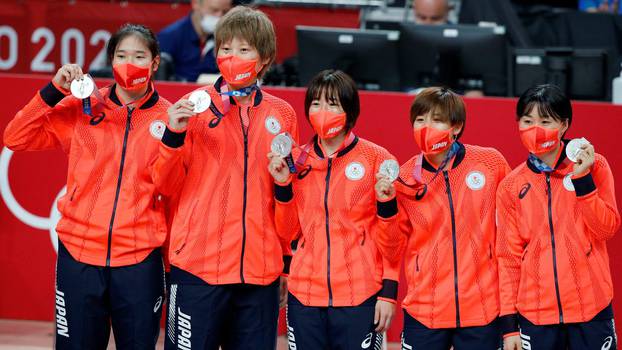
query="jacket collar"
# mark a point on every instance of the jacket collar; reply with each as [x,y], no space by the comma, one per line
[562,158]
[257,95]
[457,160]
[344,151]
[149,102]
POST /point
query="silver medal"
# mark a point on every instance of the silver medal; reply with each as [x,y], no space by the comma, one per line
[282,145]
[574,148]
[82,88]
[201,100]
[390,168]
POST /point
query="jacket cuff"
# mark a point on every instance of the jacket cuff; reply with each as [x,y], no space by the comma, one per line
[584,185]
[173,139]
[392,301]
[51,95]
[389,289]
[386,209]
[283,193]
[509,324]
[287,261]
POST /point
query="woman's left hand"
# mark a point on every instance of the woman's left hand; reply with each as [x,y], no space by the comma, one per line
[384,315]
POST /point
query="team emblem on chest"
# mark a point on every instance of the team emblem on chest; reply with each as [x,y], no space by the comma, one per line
[272,125]
[157,128]
[475,180]
[355,171]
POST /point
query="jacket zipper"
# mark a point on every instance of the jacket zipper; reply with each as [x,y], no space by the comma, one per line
[73,193]
[550,195]
[453,237]
[245,133]
[330,290]
[417,262]
[128,125]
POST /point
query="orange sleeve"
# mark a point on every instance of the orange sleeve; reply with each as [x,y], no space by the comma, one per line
[597,201]
[391,233]
[390,225]
[46,122]
[385,224]
[390,279]
[509,277]
[169,169]
[286,213]
[286,220]
[289,233]
[509,249]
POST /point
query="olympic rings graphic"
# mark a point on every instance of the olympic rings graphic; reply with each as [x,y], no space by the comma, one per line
[22,214]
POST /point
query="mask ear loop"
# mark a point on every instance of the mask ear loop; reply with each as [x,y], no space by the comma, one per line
[218,115]
[418,169]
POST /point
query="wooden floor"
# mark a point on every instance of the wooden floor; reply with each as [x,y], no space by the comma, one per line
[37,335]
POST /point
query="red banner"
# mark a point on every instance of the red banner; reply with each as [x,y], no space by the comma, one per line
[40,36]
[31,181]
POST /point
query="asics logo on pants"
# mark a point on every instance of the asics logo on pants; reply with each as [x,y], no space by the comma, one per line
[367,342]
[607,344]
[404,345]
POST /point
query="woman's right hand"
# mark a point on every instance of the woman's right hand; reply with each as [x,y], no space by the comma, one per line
[384,188]
[66,74]
[278,168]
[512,343]
[179,114]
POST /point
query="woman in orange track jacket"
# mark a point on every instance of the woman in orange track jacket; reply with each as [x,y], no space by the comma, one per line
[447,220]
[342,293]
[112,223]
[555,217]
[225,255]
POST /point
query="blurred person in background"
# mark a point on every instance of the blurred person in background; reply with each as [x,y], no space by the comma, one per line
[188,44]
[431,12]
[602,6]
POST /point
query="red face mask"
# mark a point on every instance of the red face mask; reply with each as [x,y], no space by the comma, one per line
[130,76]
[237,71]
[539,140]
[327,124]
[433,141]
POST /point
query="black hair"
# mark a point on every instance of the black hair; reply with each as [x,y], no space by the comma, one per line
[548,99]
[139,30]
[335,85]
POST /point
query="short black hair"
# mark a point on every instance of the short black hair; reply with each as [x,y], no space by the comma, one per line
[139,30]
[335,85]
[550,101]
